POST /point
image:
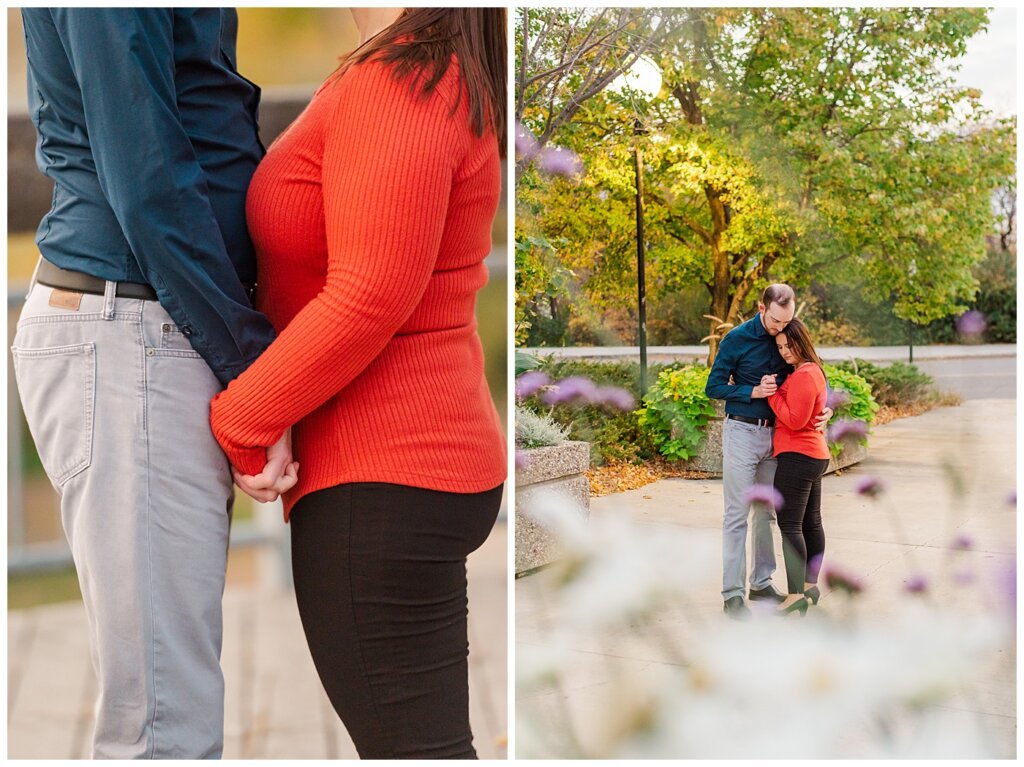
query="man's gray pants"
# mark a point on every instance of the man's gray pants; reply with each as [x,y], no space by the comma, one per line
[118,406]
[746,461]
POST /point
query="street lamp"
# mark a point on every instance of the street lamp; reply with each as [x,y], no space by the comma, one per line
[642,80]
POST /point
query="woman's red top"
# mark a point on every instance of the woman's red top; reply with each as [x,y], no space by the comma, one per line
[371,216]
[800,398]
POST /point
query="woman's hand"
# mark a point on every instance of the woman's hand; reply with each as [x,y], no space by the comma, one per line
[278,476]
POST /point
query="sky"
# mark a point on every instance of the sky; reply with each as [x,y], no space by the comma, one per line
[991,63]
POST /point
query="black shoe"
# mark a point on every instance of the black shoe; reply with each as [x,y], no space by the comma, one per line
[813,594]
[735,609]
[799,605]
[768,594]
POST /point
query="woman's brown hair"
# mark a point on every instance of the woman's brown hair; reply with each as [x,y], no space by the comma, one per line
[420,44]
[800,344]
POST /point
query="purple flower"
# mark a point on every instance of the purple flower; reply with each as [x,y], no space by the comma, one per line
[916,584]
[569,389]
[870,486]
[522,460]
[963,542]
[837,398]
[971,324]
[835,578]
[1011,499]
[615,397]
[526,145]
[530,383]
[847,430]
[560,162]
[766,495]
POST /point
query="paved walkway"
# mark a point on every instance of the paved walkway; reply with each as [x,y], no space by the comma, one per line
[275,707]
[921,459]
[828,353]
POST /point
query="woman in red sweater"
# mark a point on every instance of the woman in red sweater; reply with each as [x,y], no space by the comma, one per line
[371,216]
[803,456]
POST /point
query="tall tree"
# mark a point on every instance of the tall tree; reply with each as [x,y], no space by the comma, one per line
[801,143]
[565,57]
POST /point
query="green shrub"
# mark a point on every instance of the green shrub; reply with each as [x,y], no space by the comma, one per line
[862,405]
[524,362]
[677,411]
[625,375]
[897,384]
[613,435]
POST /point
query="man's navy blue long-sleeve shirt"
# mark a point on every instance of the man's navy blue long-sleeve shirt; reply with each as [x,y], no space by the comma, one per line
[747,353]
[150,137]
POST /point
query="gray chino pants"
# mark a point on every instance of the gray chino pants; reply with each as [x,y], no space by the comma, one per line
[746,460]
[118,406]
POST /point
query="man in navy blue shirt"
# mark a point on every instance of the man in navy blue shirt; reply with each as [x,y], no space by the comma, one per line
[747,370]
[139,313]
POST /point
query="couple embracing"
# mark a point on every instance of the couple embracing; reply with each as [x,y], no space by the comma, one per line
[775,393]
[365,226]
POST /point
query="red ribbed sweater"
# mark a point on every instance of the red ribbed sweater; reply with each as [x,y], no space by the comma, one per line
[801,397]
[371,216]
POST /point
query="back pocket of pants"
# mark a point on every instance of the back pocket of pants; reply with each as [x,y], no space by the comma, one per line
[58,392]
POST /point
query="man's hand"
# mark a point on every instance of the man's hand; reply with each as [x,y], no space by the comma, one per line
[278,476]
[766,388]
[821,422]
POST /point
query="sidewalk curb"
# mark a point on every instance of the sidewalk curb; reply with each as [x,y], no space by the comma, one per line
[829,354]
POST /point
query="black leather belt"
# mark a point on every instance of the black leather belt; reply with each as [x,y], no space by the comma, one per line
[754,421]
[80,282]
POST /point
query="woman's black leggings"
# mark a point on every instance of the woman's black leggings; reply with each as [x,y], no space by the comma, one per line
[798,479]
[380,579]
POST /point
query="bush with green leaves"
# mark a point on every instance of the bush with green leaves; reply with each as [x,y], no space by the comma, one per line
[677,411]
[861,405]
[897,384]
[613,435]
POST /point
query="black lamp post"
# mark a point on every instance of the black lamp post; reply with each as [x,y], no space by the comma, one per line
[638,131]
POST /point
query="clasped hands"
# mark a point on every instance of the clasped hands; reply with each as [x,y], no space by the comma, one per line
[278,476]
[768,387]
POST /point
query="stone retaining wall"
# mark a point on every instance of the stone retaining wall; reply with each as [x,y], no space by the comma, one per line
[558,470]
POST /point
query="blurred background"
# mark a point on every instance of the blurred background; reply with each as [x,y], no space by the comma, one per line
[288,52]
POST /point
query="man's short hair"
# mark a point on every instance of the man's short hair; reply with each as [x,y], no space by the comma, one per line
[779,293]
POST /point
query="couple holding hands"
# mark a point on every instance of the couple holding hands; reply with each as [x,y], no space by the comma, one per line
[350,382]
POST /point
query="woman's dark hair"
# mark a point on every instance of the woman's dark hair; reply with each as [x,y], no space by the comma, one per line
[800,343]
[420,44]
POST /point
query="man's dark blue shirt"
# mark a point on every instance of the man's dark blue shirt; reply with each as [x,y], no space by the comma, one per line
[150,137]
[747,353]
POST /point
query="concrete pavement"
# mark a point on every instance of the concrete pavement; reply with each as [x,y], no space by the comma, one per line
[275,707]
[948,473]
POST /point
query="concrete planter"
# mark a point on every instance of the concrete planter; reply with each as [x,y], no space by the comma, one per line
[709,453]
[557,470]
[709,456]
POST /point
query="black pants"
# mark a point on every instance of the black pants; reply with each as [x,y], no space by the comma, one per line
[798,479]
[380,579]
